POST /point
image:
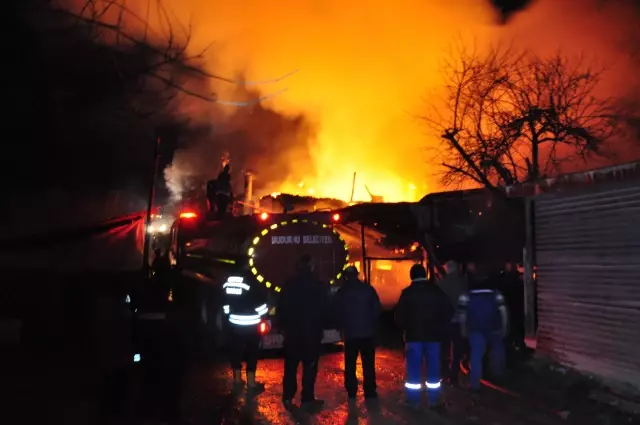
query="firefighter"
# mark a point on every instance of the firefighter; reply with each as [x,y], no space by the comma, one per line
[211,196]
[357,307]
[302,310]
[244,308]
[483,320]
[454,284]
[224,194]
[424,313]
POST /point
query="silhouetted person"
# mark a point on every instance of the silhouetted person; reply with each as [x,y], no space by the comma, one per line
[224,194]
[483,320]
[453,284]
[211,196]
[357,308]
[163,342]
[424,314]
[302,312]
[512,287]
[114,332]
[160,263]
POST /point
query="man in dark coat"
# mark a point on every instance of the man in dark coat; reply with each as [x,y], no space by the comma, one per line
[357,308]
[302,313]
[453,284]
[424,313]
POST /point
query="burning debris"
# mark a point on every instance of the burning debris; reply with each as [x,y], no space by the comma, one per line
[285,202]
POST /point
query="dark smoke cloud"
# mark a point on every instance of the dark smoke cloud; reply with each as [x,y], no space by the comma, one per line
[80,120]
[507,8]
[257,138]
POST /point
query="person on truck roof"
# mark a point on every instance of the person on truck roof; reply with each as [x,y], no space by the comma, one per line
[224,194]
[357,308]
[244,306]
[211,196]
[302,312]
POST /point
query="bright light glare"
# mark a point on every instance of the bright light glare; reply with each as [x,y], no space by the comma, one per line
[264,216]
[187,215]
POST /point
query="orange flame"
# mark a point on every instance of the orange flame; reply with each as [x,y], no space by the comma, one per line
[365,70]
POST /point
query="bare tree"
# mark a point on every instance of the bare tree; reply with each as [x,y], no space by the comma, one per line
[511,116]
[166,64]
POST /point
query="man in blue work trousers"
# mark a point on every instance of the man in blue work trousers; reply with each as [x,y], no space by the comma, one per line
[484,321]
[424,314]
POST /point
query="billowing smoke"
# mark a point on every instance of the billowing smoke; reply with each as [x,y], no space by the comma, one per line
[253,135]
[364,83]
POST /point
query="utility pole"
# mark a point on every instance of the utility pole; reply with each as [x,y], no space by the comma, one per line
[152,192]
[353,187]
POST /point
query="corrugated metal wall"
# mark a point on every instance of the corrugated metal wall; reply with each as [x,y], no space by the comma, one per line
[588,259]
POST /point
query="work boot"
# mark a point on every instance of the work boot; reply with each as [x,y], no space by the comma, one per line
[253,386]
[238,383]
[314,405]
[288,404]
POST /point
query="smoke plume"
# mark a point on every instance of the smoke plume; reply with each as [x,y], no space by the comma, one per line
[364,70]
[256,138]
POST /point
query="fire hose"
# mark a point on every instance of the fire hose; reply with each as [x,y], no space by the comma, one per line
[538,405]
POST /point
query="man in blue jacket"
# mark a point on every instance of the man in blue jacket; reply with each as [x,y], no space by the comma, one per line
[484,320]
[357,309]
[424,313]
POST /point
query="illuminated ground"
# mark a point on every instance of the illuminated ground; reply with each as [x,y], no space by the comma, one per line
[210,391]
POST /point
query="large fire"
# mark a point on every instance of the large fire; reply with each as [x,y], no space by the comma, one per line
[364,71]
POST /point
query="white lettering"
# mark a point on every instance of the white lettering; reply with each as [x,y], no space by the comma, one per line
[316,239]
[305,240]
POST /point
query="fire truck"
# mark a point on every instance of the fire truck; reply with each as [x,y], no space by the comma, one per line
[257,249]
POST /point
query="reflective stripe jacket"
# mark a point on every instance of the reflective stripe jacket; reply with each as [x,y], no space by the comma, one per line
[244,305]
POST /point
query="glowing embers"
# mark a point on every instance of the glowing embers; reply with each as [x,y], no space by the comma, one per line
[256,240]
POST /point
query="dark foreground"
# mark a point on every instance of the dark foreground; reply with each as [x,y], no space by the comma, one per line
[67,392]
[210,387]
